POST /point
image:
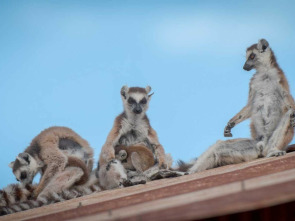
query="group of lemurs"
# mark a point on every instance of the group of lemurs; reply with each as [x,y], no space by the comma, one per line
[132,153]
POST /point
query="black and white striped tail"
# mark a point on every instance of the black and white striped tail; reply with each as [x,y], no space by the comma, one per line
[74,192]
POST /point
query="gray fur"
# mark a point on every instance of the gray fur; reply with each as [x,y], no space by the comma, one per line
[271,109]
[227,152]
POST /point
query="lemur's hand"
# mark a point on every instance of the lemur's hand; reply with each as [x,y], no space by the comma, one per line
[227,129]
[162,162]
[292,119]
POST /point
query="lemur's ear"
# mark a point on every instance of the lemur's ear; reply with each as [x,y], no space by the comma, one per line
[124,91]
[11,164]
[24,158]
[262,45]
[148,90]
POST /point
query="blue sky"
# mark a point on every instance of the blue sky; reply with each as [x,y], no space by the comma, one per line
[64,62]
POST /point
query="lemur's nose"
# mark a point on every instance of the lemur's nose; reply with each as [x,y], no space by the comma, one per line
[137,110]
[247,67]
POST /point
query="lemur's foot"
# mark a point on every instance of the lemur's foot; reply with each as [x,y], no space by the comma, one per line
[292,119]
[161,174]
[227,129]
[276,153]
[128,182]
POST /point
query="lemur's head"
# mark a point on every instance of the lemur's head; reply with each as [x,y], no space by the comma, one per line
[258,55]
[136,99]
[25,167]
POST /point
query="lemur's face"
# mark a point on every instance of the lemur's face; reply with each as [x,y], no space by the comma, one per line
[136,99]
[257,55]
[24,168]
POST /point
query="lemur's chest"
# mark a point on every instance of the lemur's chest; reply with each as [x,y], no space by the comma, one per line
[267,96]
[266,88]
[131,134]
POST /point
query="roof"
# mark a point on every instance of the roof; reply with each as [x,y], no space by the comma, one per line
[234,189]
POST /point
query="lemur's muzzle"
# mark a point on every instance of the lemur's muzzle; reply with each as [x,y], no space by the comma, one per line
[137,109]
[247,67]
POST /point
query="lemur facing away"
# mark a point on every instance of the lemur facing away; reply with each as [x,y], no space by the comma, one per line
[18,197]
[138,157]
[130,128]
[50,153]
[271,109]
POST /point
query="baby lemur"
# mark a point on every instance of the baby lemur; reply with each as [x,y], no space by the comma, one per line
[270,107]
[130,128]
[51,152]
[138,157]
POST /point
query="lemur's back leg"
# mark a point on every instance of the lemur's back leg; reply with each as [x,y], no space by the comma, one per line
[227,152]
[62,181]
[136,161]
[281,137]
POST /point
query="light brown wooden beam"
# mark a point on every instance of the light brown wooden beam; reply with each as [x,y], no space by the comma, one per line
[217,201]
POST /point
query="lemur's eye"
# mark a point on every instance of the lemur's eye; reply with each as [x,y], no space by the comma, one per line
[131,100]
[23,175]
[143,101]
[252,56]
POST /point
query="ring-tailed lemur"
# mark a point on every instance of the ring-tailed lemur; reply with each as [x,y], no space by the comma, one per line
[130,128]
[49,153]
[270,104]
[19,197]
[271,109]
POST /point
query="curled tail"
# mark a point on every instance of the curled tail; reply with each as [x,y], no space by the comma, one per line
[91,186]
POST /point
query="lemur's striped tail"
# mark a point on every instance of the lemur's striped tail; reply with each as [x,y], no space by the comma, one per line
[16,193]
[77,191]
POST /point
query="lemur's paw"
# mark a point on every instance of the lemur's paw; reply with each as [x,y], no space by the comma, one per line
[227,133]
[227,129]
[276,153]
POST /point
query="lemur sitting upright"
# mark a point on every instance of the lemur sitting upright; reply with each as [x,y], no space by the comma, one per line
[130,128]
[49,153]
[271,109]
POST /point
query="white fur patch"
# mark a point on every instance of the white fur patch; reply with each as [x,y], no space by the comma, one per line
[137,96]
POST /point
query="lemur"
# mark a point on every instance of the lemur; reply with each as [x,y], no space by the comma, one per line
[138,157]
[18,197]
[49,153]
[130,128]
[271,109]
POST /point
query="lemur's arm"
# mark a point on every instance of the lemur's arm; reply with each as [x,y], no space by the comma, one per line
[54,162]
[108,152]
[244,114]
[159,150]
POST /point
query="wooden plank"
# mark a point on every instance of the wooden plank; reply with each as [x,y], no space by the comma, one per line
[108,200]
[183,208]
